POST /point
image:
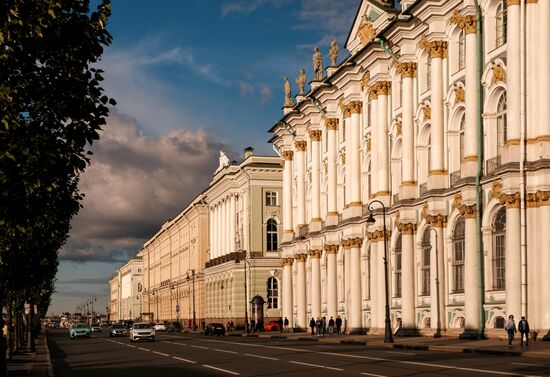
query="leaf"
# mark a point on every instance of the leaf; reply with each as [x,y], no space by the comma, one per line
[51,12]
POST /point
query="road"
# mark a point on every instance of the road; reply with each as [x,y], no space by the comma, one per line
[197,355]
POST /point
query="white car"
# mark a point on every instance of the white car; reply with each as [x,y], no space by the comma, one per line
[142,331]
[160,327]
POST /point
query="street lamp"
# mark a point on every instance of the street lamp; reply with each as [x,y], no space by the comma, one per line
[192,277]
[245,293]
[438,331]
[388,337]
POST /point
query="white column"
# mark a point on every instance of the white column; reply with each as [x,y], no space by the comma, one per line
[347,161]
[543,75]
[354,154]
[470,100]
[216,235]
[287,192]
[544,258]
[314,256]
[532,101]
[513,72]
[232,215]
[437,147]
[347,278]
[513,257]
[382,154]
[332,284]
[287,291]
[437,273]
[300,173]
[408,72]
[471,277]
[315,136]
[301,310]
[211,231]
[225,226]
[376,138]
[219,235]
[355,320]
[331,126]
[380,287]
[408,314]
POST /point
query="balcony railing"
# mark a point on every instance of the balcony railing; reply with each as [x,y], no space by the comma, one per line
[492,164]
[455,177]
[423,188]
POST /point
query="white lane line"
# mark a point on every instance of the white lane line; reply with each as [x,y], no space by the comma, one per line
[431,365]
[185,360]
[220,350]
[261,357]
[221,370]
[143,349]
[160,353]
[201,347]
[373,375]
[400,353]
[532,365]
[131,346]
[315,365]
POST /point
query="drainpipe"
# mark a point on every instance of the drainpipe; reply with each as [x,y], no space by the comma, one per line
[383,46]
[480,157]
[522,209]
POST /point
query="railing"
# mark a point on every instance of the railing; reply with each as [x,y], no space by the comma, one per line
[455,177]
[423,188]
[492,164]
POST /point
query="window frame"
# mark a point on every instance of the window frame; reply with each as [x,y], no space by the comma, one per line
[272,293]
[458,250]
[272,235]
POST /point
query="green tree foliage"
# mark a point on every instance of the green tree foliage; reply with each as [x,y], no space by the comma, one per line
[52,107]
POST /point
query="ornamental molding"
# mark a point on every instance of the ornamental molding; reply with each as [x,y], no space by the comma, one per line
[355,107]
[365,80]
[407,69]
[301,145]
[499,74]
[407,228]
[331,124]
[468,23]
[383,88]
[331,248]
[288,155]
[314,253]
[315,135]
[436,49]
[366,32]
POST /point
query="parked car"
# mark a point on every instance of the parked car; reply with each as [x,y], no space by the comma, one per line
[173,326]
[214,328]
[95,327]
[273,326]
[142,331]
[160,327]
[79,330]
[117,329]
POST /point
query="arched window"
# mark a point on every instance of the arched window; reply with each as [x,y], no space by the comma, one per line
[458,255]
[499,250]
[501,124]
[426,249]
[271,235]
[499,322]
[461,132]
[398,253]
[461,50]
[501,21]
[272,293]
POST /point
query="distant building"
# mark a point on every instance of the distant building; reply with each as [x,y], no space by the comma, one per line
[126,287]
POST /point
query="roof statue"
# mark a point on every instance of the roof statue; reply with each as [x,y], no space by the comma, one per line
[333,52]
[224,161]
[288,94]
[301,80]
[317,65]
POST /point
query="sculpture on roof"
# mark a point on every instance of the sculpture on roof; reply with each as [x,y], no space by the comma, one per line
[317,65]
[224,161]
[333,52]
[301,80]
[288,94]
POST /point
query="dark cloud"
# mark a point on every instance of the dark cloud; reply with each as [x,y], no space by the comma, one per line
[85,281]
[134,184]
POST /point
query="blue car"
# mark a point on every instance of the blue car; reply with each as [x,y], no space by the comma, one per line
[79,331]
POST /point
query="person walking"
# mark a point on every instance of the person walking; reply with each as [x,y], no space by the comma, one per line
[286,324]
[280,322]
[338,325]
[331,326]
[510,327]
[523,327]
[324,319]
[312,326]
[319,325]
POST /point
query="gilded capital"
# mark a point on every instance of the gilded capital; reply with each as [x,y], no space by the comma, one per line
[300,145]
[499,75]
[512,2]
[315,135]
[345,110]
[300,257]
[383,88]
[314,253]
[356,242]
[355,107]
[346,243]
[436,221]
[468,23]
[407,228]
[459,95]
[365,80]
[331,124]
[531,200]
[331,249]
[287,261]
[543,198]
[469,212]
[438,49]
[288,155]
[373,91]
[510,200]
[407,69]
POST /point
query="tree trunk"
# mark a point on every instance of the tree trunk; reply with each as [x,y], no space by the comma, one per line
[3,363]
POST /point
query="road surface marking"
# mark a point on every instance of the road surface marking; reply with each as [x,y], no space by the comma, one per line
[131,346]
[532,365]
[220,350]
[373,375]
[261,357]
[201,347]
[143,349]
[221,370]
[160,353]
[185,360]
[315,365]
[400,353]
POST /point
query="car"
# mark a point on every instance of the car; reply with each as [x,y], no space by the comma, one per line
[173,326]
[117,329]
[160,327]
[273,326]
[95,327]
[214,328]
[142,331]
[79,330]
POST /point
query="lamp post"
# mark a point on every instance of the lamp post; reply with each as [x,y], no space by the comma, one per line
[438,330]
[245,293]
[192,277]
[388,337]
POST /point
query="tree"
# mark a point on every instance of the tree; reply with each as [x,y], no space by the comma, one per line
[52,107]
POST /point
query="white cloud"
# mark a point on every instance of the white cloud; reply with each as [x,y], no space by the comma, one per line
[248,6]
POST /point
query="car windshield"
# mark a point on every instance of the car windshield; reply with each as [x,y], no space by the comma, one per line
[142,326]
[117,326]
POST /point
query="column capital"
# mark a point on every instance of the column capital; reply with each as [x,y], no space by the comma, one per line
[383,88]
[512,2]
[314,253]
[436,49]
[436,221]
[467,211]
[331,124]
[510,200]
[331,248]
[288,155]
[407,69]
[314,135]
[355,107]
[373,91]
[301,145]
[356,242]
[468,23]
[287,261]
[300,257]
[407,228]
[345,110]
[543,198]
[346,243]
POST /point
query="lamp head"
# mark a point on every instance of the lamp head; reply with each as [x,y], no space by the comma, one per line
[371,220]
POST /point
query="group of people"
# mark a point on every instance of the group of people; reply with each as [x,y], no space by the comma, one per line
[522,327]
[320,326]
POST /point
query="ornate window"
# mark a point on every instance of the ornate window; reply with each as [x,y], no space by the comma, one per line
[458,256]
[461,50]
[499,250]
[461,132]
[426,249]
[398,253]
[501,24]
[271,232]
[501,124]
[272,293]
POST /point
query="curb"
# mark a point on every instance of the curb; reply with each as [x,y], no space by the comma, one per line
[48,357]
[354,342]
[309,339]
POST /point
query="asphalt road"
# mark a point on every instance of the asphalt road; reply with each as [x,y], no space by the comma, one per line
[196,355]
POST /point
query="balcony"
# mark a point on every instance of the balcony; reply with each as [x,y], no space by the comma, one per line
[455,177]
[492,164]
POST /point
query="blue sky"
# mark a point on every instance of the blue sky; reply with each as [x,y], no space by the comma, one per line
[190,78]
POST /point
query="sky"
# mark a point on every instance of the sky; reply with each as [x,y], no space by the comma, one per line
[191,78]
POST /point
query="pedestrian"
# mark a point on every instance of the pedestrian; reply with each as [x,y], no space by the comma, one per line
[523,327]
[510,327]
[286,324]
[232,325]
[338,325]
[280,322]
[330,326]
[228,326]
[324,319]
[252,325]
[312,325]
[319,325]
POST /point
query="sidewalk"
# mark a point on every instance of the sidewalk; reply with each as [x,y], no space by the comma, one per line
[32,364]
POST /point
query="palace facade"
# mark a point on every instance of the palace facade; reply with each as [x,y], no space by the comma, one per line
[126,287]
[437,125]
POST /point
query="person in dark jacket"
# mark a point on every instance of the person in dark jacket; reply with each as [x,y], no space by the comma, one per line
[312,325]
[338,325]
[523,328]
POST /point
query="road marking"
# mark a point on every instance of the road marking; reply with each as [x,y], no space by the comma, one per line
[220,350]
[143,349]
[373,375]
[160,353]
[532,365]
[185,360]
[221,370]
[261,357]
[131,346]
[315,365]
[201,347]
[400,353]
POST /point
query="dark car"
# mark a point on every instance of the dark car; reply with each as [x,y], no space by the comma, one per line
[117,329]
[214,328]
[173,326]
